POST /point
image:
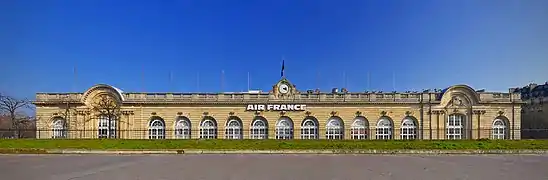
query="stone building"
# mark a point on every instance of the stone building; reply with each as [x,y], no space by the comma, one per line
[457,112]
[534,113]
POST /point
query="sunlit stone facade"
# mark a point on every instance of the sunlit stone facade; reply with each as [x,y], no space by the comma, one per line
[457,112]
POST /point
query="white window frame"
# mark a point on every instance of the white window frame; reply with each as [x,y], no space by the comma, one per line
[359,128]
[259,129]
[408,129]
[208,129]
[383,130]
[334,128]
[157,129]
[183,128]
[58,128]
[233,129]
[284,128]
[103,127]
[309,129]
[455,126]
[499,129]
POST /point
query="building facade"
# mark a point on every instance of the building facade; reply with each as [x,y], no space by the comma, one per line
[534,112]
[457,112]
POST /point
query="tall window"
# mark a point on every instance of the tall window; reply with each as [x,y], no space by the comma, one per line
[107,127]
[359,128]
[284,128]
[499,129]
[208,129]
[408,129]
[334,128]
[58,128]
[233,129]
[384,129]
[182,128]
[309,129]
[157,129]
[455,126]
[259,129]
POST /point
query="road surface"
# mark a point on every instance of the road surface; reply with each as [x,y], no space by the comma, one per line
[273,167]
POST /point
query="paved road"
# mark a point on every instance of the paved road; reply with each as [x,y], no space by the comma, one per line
[274,167]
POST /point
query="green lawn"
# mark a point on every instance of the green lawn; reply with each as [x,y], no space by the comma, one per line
[105,144]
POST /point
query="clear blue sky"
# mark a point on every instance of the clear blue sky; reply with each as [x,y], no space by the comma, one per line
[490,44]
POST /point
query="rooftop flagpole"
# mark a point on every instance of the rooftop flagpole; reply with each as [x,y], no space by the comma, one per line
[142,78]
[344,79]
[198,81]
[368,81]
[222,80]
[394,81]
[283,67]
[171,81]
[75,80]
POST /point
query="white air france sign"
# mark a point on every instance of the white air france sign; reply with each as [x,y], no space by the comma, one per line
[276,107]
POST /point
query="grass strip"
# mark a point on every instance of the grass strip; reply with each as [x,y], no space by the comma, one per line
[218,144]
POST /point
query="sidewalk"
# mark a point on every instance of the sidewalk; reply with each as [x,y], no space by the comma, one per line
[190,151]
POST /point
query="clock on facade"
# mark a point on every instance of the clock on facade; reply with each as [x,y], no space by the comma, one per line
[283,88]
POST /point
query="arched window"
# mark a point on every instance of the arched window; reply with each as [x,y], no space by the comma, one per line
[455,126]
[182,128]
[309,129]
[259,129]
[58,128]
[107,126]
[284,128]
[233,129]
[208,129]
[499,129]
[384,129]
[408,129]
[157,129]
[334,128]
[359,128]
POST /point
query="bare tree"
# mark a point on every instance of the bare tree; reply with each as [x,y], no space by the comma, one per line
[68,108]
[106,107]
[12,107]
[27,127]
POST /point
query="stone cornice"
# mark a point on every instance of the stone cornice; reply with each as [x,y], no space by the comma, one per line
[270,102]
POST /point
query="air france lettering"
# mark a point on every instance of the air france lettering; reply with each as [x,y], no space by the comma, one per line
[276,107]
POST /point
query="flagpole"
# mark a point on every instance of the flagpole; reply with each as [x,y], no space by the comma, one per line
[394,81]
[143,78]
[368,81]
[75,79]
[171,81]
[222,80]
[247,81]
[198,81]
[344,79]
[283,67]
[318,80]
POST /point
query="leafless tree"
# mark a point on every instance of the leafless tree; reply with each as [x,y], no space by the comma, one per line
[27,127]
[68,108]
[106,106]
[12,107]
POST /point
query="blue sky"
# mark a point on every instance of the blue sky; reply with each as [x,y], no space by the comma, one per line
[134,45]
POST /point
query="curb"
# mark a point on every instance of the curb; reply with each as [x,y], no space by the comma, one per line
[197,151]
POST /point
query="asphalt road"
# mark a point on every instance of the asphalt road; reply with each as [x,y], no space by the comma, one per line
[274,167]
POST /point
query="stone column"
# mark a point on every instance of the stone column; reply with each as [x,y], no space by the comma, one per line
[478,118]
